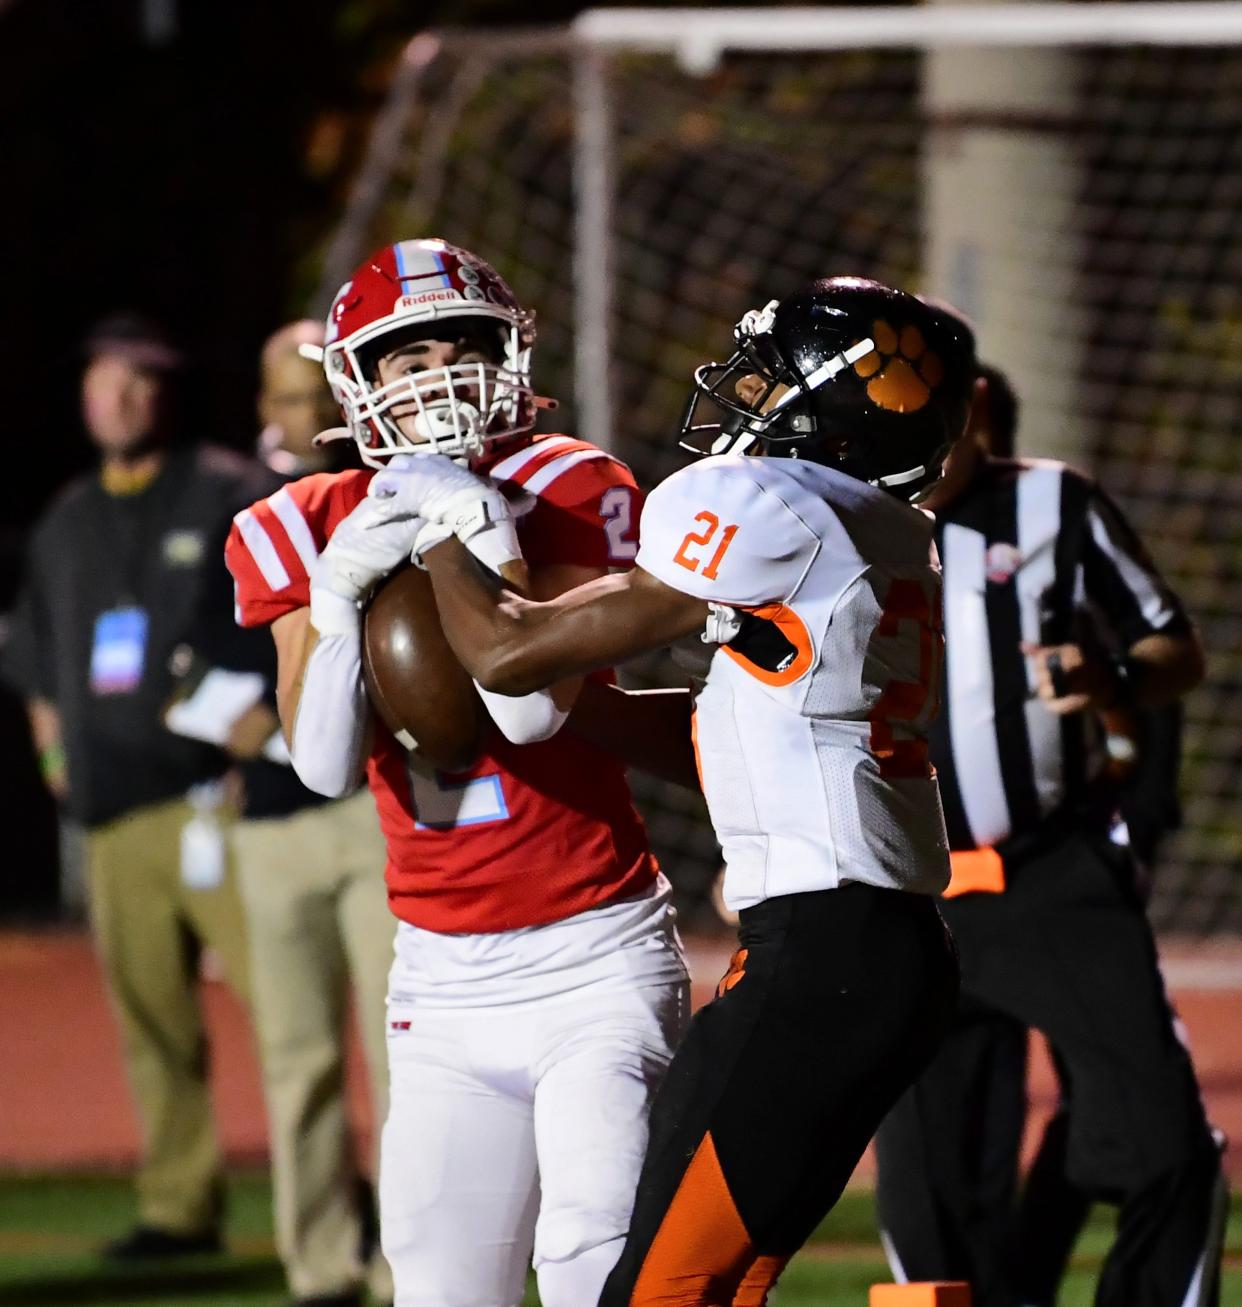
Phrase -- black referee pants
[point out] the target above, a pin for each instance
(1066, 949)
(834, 1002)
(1052, 1211)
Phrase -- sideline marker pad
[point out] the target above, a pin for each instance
(939, 1293)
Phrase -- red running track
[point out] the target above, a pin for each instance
(64, 1104)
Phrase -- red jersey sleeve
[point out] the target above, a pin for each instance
(586, 515)
(274, 543)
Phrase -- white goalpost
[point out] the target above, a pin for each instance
(973, 83)
(1068, 174)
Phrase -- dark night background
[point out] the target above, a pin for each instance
(186, 159)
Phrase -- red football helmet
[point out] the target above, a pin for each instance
(458, 410)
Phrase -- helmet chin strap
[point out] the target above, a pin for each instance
(838, 362)
(729, 442)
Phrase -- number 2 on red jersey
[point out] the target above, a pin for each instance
(616, 509)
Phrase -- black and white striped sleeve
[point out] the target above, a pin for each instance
(1120, 580)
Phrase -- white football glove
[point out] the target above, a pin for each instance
(451, 501)
(723, 624)
(364, 548)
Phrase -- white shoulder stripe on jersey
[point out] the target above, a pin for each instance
(968, 677)
(1137, 579)
(257, 540)
(511, 466)
(296, 527)
(556, 467)
(1039, 523)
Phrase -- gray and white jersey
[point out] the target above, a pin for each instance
(811, 727)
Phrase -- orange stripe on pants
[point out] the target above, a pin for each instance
(702, 1255)
(763, 1274)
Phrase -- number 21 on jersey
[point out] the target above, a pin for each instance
(700, 541)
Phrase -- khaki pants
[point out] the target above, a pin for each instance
(317, 912)
(150, 929)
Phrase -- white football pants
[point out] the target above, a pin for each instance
(517, 1128)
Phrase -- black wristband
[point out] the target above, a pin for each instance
(1056, 675)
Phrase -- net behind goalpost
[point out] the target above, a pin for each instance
(642, 180)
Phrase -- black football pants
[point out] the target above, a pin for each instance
(834, 1002)
(1067, 950)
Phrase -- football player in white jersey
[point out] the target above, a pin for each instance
(797, 549)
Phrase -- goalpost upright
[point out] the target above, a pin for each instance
(998, 171)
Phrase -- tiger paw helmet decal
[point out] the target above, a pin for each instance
(862, 377)
(903, 372)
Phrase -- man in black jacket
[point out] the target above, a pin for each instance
(114, 571)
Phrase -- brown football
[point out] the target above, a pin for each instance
(413, 677)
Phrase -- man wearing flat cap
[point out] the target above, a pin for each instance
(113, 572)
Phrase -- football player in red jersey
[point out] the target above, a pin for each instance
(538, 988)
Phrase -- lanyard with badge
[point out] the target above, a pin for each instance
(119, 650)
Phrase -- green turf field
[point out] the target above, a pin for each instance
(50, 1226)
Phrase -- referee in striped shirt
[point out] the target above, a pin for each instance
(1053, 613)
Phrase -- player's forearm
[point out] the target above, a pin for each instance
(510, 645)
(322, 700)
(328, 739)
(647, 729)
(294, 637)
(514, 646)
(529, 718)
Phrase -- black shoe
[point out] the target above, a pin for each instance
(149, 1241)
(347, 1298)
